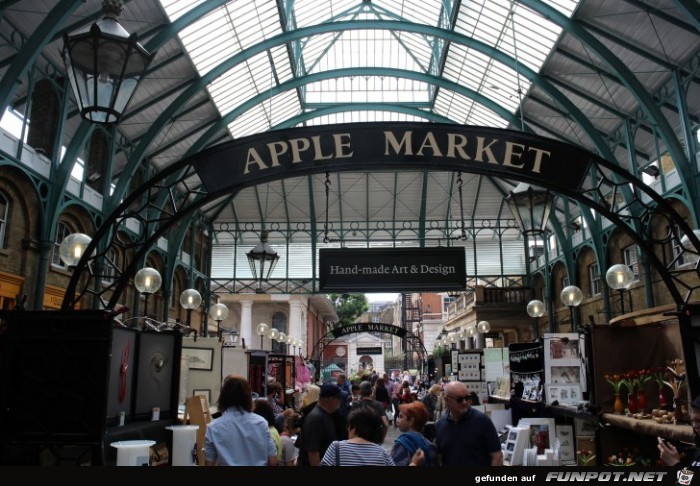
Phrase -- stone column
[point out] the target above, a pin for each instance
(295, 310)
(247, 323)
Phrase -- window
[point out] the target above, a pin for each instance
(279, 322)
(4, 214)
(680, 257)
(62, 230)
(594, 277)
(631, 258)
(109, 267)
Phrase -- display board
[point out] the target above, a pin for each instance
(565, 377)
(526, 370)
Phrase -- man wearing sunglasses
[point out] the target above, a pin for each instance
(465, 436)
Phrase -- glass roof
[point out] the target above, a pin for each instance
(356, 67)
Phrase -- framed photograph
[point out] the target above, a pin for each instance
(584, 427)
(569, 394)
(563, 362)
(542, 432)
(565, 434)
(199, 358)
(203, 391)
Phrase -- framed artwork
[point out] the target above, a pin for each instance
(565, 434)
(203, 391)
(570, 394)
(199, 358)
(563, 363)
(583, 427)
(542, 432)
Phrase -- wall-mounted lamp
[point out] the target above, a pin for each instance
(147, 281)
(218, 312)
(104, 65)
(572, 297)
(262, 260)
(619, 277)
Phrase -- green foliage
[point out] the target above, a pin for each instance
(394, 361)
(441, 352)
(349, 307)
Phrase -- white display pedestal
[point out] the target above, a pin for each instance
(133, 452)
(184, 443)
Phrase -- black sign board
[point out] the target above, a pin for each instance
(392, 269)
(368, 327)
(377, 350)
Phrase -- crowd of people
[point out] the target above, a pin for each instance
(346, 424)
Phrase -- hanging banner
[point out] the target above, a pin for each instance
(392, 269)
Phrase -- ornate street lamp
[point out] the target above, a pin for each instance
(535, 309)
(572, 297)
(262, 260)
(620, 277)
(190, 299)
(530, 206)
(73, 247)
(147, 281)
(262, 332)
(104, 65)
(218, 312)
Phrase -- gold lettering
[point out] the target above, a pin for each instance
(405, 142)
(254, 158)
(339, 145)
(298, 145)
(318, 151)
(431, 143)
(481, 149)
(511, 153)
(276, 149)
(456, 141)
(537, 167)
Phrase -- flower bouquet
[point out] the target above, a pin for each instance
(674, 377)
(616, 380)
(585, 457)
(630, 380)
(628, 458)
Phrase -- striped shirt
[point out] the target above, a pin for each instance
(353, 454)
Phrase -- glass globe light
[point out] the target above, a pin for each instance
(272, 333)
(483, 327)
(619, 277)
(262, 329)
(471, 330)
(571, 296)
(535, 308)
(282, 337)
(147, 280)
(462, 334)
(451, 337)
(190, 299)
(72, 248)
(218, 312)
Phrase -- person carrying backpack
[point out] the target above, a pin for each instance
(411, 419)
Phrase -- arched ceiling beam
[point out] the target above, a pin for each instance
(202, 82)
(692, 10)
(647, 104)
